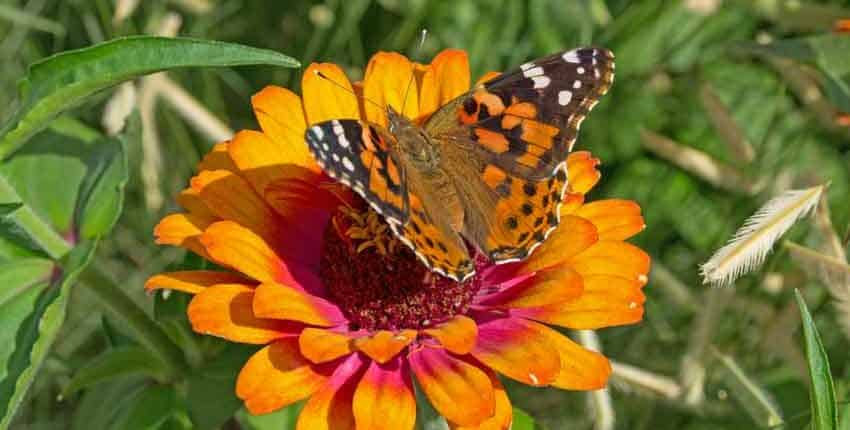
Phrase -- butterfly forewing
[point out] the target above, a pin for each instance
(527, 120)
(360, 155)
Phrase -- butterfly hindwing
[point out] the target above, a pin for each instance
(506, 216)
(360, 155)
(433, 241)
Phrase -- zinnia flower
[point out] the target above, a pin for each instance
(348, 315)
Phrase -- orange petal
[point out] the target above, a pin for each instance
(217, 159)
(546, 287)
(445, 79)
(615, 258)
(323, 98)
(456, 335)
(614, 219)
(581, 172)
(606, 301)
(572, 236)
(232, 245)
(226, 311)
(182, 230)
(330, 408)
(259, 159)
(458, 390)
(384, 345)
(321, 345)
(192, 281)
(285, 303)
(489, 76)
(581, 368)
(386, 82)
(231, 198)
(517, 349)
(191, 200)
(503, 417)
(384, 397)
(571, 203)
(298, 189)
(281, 116)
(277, 376)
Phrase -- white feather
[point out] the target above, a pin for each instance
(753, 241)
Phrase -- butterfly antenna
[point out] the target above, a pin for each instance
(346, 89)
(422, 37)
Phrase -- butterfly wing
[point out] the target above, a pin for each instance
(506, 143)
(431, 237)
(360, 155)
(527, 120)
(363, 157)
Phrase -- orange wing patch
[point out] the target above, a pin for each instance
(441, 251)
(525, 213)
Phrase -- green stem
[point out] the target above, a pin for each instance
(35, 228)
(144, 329)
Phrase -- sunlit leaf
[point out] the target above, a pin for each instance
(65, 80)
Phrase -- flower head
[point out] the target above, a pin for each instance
(347, 315)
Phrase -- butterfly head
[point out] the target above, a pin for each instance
(412, 141)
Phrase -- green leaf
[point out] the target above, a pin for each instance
(284, 419)
(102, 191)
(155, 405)
(119, 395)
(30, 322)
(7, 208)
(19, 275)
(211, 398)
(63, 81)
(824, 413)
(829, 51)
(116, 363)
(522, 421)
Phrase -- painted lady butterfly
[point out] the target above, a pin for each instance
(489, 165)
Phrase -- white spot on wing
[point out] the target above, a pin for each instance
(530, 73)
(564, 97)
(571, 57)
(317, 131)
(541, 81)
(347, 164)
(580, 70)
(577, 84)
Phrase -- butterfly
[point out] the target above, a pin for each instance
(488, 167)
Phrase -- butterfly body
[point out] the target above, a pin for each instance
(488, 168)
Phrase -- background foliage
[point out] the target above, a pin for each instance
(717, 106)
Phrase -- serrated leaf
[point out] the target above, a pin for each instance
(32, 320)
(63, 81)
(116, 363)
(102, 191)
(822, 393)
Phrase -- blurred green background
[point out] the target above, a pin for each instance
(701, 128)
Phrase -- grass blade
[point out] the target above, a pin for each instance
(824, 413)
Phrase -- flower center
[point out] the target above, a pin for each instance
(379, 283)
